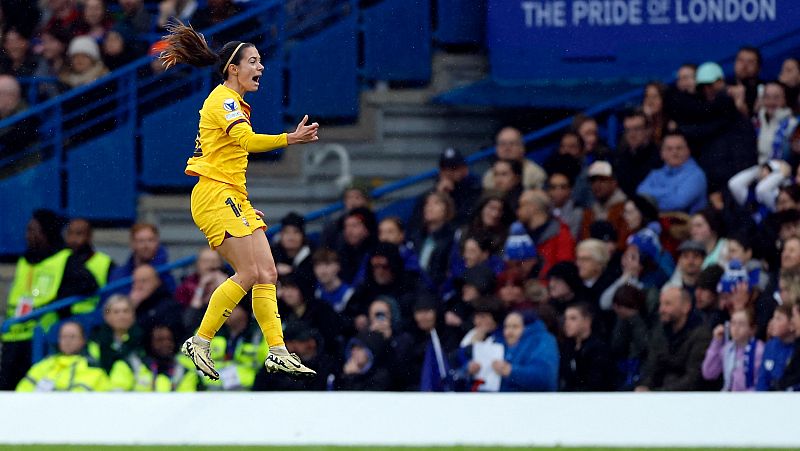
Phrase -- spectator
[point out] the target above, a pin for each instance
(95, 21)
(722, 138)
(707, 228)
(519, 252)
(706, 297)
(238, 352)
(559, 188)
(159, 369)
(365, 367)
(434, 344)
(85, 63)
(531, 356)
(435, 238)
(790, 78)
(476, 283)
(740, 247)
(604, 231)
(592, 260)
(52, 62)
(690, 261)
(492, 217)
(79, 240)
(757, 188)
(511, 292)
(564, 286)
(19, 136)
(593, 147)
(788, 198)
(629, 336)
(686, 80)
(391, 230)
(778, 349)
(354, 196)
(69, 370)
(119, 47)
(653, 108)
(24, 14)
(153, 301)
(330, 289)
(746, 71)
(477, 251)
(637, 154)
(639, 212)
(677, 346)
(315, 314)
(45, 273)
(358, 240)
(196, 286)
(680, 185)
(305, 343)
(738, 357)
(64, 17)
(217, 11)
(487, 317)
(385, 320)
(791, 374)
(585, 359)
(183, 10)
(146, 248)
(119, 336)
(292, 253)
(571, 153)
(608, 200)
(775, 123)
(655, 265)
(134, 14)
(455, 181)
(508, 181)
(782, 289)
(509, 145)
(553, 241)
(200, 297)
(17, 58)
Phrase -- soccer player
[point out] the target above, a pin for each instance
(219, 204)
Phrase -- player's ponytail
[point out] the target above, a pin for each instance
(185, 45)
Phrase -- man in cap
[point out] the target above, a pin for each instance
(455, 180)
(608, 201)
(690, 263)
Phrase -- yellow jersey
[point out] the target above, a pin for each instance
(225, 138)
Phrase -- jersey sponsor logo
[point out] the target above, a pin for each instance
(230, 105)
(233, 115)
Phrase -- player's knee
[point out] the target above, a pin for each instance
(268, 275)
(248, 277)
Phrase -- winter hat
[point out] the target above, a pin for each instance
(426, 301)
(647, 241)
(480, 277)
(568, 272)
(519, 245)
(295, 220)
(52, 225)
(734, 274)
(709, 277)
(85, 45)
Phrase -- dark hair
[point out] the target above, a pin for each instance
(675, 133)
(185, 45)
(792, 191)
(636, 112)
(629, 296)
(579, 120)
(782, 87)
(516, 166)
(396, 221)
(583, 308)
(324, 255)
(481, 238)
(692, 66)
(714, 220)
(742, 237)
(575, 134)
(751, 49)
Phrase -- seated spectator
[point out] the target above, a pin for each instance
(454, 180)
(629, 337)
(64, 17)
(197, 286)
(238, 351)
(69, 370)
(639, 212)
(708, 228)
(306, 344)
(358, 240)
(680, 185)
(477, 251)
(564, 286)
(365, 367)
(707, 299)
(519, 253)
(790, 78)
(182, 10)
(354, 196)
(152, 300)
(531, 356)
(791, 374)
(120, 47)
(134, 14)
(687, 271)
(585, 360)
(194, 310)
(511, 292)
(608, 201)
(559, 188)
(17, 58)
(492, 217)
(740, 247)
(385, 320)
(676, 347)
(757, 188)
(570, 152)
(656, 264)
(553, 241)
(509, 145)
(118, 336)
(653, 109)
(330, 288)
(95, 21)
(434, 343)
(46, 272)
(159, 369)
(605, 232)
(778, 349)
(592, 261)
(486, 320)
(391, 230)
(21, 135)
(315, 314)
(78, 238)
(637, 154)
(593, 147)
(783, 289)
(788, 198)
(508, 181)
(686, 78)
(775, 123)
(292, 253)
(738, 357)
(85, 64)
(52, 61)
(146, 249)
(476, 283)
(434, 240)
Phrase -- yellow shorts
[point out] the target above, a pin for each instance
(220, 211)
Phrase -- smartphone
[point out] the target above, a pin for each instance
(727, 330)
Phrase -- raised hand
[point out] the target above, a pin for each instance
(304, 133)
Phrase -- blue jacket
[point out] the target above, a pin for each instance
(682, 188)
(776, 356)
(534, 361)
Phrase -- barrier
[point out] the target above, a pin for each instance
(621, 419)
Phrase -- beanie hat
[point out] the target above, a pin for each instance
(568, 272)
(647, 241)
(85, 45)
(519, 245)
(734, 275)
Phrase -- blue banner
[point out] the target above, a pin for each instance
(543, 39)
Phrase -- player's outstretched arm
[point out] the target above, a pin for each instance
(304, 133)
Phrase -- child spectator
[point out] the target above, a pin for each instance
(738, 357)
(778, 349)
(330, 289)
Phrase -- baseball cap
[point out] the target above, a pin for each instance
(600, 169)
(709, 72)
(451, 158)
(693, 246)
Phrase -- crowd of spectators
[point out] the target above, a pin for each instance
(670, 263)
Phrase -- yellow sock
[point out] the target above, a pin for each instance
(265, 308)
(223, 301)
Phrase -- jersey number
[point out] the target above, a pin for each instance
(230, 202)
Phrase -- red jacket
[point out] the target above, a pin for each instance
(556, 244)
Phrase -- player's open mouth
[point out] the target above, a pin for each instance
(257, 78)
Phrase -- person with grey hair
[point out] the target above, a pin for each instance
(509, 145)
(553, 240)
(118, 336)
(592, 259)
(17, 137)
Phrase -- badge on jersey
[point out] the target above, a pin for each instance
(230, 104)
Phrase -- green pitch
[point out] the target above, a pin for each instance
(338, 448)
